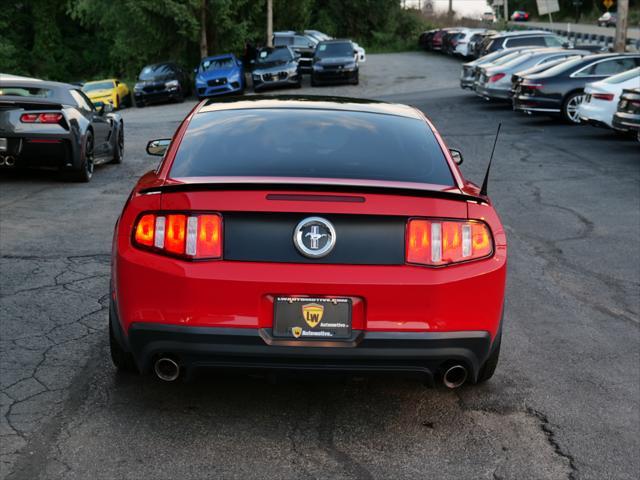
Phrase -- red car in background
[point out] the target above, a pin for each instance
(520, 16)
(307, 233)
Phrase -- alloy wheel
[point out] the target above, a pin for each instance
(572, 107)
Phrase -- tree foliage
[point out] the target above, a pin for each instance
(74, 40)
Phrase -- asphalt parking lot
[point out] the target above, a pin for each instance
(564, 402)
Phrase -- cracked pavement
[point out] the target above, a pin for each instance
(564, 403)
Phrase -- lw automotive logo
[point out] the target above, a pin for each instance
(312, 314)
(314, 237)
(296, 331)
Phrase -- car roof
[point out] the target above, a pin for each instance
(336, 40)
(310, 102)
(35, 83)
(99, 81)
(522, 33)
(216, 57)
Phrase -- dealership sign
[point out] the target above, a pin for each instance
(547, 6)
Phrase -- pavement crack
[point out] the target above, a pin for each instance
(547, 429)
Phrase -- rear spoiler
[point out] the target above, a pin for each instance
(11, 101)
(389, 190)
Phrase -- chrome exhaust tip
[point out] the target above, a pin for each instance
(166, 369)
(9, 161)
(455, 376)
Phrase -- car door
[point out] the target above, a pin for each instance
(100, 123)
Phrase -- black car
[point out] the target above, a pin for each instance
(517, 77)
(276, 67)
(477, 42)
(449, 41)
(55, 126)
(300, 43)
(335, 62)
(161, 82)
(424, 40)
(521, 39)
(627, 118)
(560, 89)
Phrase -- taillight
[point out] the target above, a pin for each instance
(496, 77)
(191, 236)
(531, 85)
(41, 117)
(443, 242)
(603, 96)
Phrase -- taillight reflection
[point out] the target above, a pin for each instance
(189, 236)
(443, 242)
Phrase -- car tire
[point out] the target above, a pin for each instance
(356, 80)
(85, 172)
(570, 107)
(118, 152)
(489, 367)
(121, 359)
(118, 104)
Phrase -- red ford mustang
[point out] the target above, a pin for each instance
(307, 233)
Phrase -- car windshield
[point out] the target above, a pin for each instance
(21, 91)
(311, 144)
(623, 77)
(153, 72)
(283, 40)
(216, 64)
(326, 50)
(275, 55)
(89, 87)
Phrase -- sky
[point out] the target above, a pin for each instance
(467, 8)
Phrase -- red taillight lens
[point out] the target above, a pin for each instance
(209, 235)
(145, 230)
(603, 96)
(41, 117)
(496, 77)
(175, 233)
(189, 236)
(436, 242)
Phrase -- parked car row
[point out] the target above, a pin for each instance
(573, 84)
(312, 52)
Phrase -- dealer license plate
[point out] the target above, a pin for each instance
(312, 318)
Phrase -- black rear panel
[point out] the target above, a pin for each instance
(360, 240)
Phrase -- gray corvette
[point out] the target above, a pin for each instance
(55, 126)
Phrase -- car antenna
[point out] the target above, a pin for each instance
(483, 190)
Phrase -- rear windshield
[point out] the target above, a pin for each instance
(311, 144)
(624, 76)
(37, 92)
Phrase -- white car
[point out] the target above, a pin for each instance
(601, 98)
(362, 55)
(462, 42)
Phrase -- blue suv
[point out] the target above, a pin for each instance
(219, 75)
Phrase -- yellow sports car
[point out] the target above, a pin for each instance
(111, 91)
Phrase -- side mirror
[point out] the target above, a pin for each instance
(355, 52)
(104, 108)
(456, 155)
(158, 147)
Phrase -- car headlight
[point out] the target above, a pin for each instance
(200, 81)
(137, 88)
(172, 84)
(350, 66)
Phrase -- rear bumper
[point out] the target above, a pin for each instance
(492, 93)
(626, 121)
(535, 104)
(156, 97)
(39, 150)
(255, 349)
